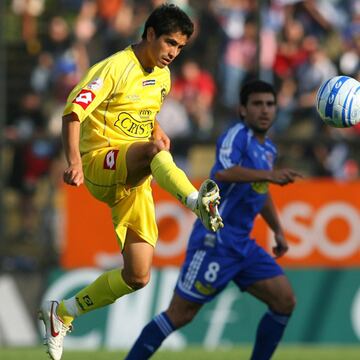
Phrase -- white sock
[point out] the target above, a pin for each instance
(72, 307)
(191, 200)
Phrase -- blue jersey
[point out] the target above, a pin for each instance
(213, 260)
(240, 202)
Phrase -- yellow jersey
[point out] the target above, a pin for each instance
(117, 101)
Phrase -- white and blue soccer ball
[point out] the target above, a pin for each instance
(338, 101)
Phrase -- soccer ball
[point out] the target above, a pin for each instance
(338, 101)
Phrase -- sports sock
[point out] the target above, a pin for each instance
(151, 337)
(268, 336)
(67, 311)
(103, 291)
(172, 179)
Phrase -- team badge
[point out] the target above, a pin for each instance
(162, 95)
(84, 98)
(110, 160)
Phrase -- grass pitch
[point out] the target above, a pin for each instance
(285, 352)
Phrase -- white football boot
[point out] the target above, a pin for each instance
(207, 205)
(55, 329)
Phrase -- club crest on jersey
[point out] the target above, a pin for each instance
(110, 160)
(162, 95)
(96, 84)
(148, 82)
(84, 98)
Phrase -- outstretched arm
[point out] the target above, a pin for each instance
(241, 174)
(73, 174)
(270, 215)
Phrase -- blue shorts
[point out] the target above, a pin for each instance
(208, 269)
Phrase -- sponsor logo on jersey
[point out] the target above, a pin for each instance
(145, 114)
(96, 84)
(110, 160)
(133, 127)
(206, 289)
(148, 82)
(261, 187)
(84, 98)
(133, 97)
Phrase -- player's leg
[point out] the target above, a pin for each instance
(113, 284)
(105, 290)
(278, 295)
(135, 226)
(179, 313)
(203, 275)
(145, 158)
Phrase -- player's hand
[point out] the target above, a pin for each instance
(159, 135)
(281, 246)
(284, 176)
(73, 175)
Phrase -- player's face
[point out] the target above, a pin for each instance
(165, 48)
(259, 112)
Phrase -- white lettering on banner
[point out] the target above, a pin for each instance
(167, 283)
(355, 314)
(314, 236)
(220, 316)
(346, 247)
(60, 289)
(16, 325)
(134, 310)
(184, 220)
(289, 216)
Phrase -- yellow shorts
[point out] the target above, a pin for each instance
(105, 175)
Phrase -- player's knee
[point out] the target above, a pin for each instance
(152, 149)
(287, 304)
(137, 282)
(180, 315)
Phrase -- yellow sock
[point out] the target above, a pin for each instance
(107, 288)
(170, 177)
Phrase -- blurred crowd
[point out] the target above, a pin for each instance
(295, 45)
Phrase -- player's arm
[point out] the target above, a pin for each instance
(158, 134)
(73, 174)
(270, 215)
(242, 174)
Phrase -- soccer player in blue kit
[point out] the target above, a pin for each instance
(243, 169)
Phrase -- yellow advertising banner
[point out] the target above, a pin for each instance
(321, 219)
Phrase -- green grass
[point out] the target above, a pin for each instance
(285, 352)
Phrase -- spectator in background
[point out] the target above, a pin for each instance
(195, 89)
(310, 75)
(238, 53)
(34, 152)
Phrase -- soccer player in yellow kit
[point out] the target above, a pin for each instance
(115, 146)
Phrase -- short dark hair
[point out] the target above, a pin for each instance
(167, 19)
(255, 86)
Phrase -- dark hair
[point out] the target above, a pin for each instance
(255, 86)
(167, 19)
